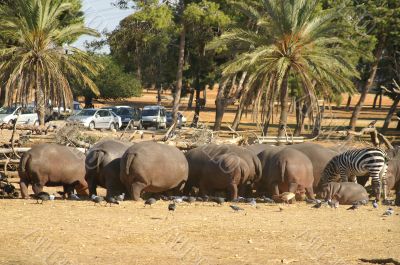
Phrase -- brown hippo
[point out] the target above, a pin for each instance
(393, 177)
(286, 170)
(152, 167)
(52, 165)
(319, 157)
(222, 167)
(102, 166)
(344, 192)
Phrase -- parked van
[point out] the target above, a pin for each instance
(154, 116)
(28, 115)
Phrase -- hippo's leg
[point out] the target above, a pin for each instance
(68, 190)
(82, 188)
(24, 184)
(233, 190)
(203, 189)
(136, 190)
(36, 187)
(293, 187)
(275, 192)
(310, 193)
(397, 201)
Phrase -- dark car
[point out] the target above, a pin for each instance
(128, 114)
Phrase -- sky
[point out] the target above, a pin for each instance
(100, 15)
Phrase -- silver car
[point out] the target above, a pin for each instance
(97, 119)
(27, 116)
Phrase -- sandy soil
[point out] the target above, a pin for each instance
(70, 232)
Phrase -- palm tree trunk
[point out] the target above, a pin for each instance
(390, 113)
(284, 105)
(179, 74)
(239, 110)
(368, 85)
(348, 103)
(39, 97)
(220, 105)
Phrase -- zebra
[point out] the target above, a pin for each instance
(359, 162)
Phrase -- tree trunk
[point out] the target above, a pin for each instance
(368, 85)
(196, 116)
(284, 106)
(297, 130)
(191, 96)
(40, 102)
(220, 105)
(179, 75)
(348, 103)
(390, 113)
(239, 111)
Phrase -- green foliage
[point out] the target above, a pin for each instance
(35, 61)
(114, 83)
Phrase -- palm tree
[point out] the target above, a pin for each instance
(292, 38)
(38, 60)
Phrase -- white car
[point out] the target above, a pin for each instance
(28, 115)
(97, 119)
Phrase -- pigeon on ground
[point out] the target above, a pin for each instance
(96, 199)
(206, 198)
(219, 200)
(120, 197)
(375, 204)
(253, 203)
(74, 197)
(388, 212)
(353, 207)
(236, 208)
(150, 202)
(310, 201)
(111, 200)
(172, 207)
(199, 199)
(317, 205)
(164, 198)
(178, 200)
(190, 199)
(267, 200)
(42, 196)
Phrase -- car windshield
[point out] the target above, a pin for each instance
(7, 110)
(150, 112)
(123, 111)
(86, 112)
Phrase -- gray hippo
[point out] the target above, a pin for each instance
(319, 157)
(221, 167)
(102, 166)
(285, 170)
(393, 177)
(152, 167)
(344, 192)
(52, 165)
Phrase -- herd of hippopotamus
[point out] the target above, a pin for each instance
(150, 167)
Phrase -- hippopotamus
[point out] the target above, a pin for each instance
(152, 167)
(102, 166)
(393, 177)
(344, 192)
(319, 157)
(258, 148)
(222, 167)
(286, 170)
(52, 165)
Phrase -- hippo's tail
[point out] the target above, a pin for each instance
(283, 170)
(100, 156)
(129, 159)
(24, 161)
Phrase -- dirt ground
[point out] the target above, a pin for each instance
(72, 232)
(79, 232)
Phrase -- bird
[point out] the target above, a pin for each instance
(172, 207)
(42, 196)
(287, 196)
(236, 208)
(164, 198)
(310, 201)
(219, 200)
(190, 199)
(317, 205)
(120, 197)
(253, 203)
(150, 202)
(96, 199)
(206, 198)
(372, 124)
(199, 199)
(388, 212)
(353, 207)
(375, 204)
(178, 200)
(248, 200)
(74, 197)
(267, 200)
(111, 200)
